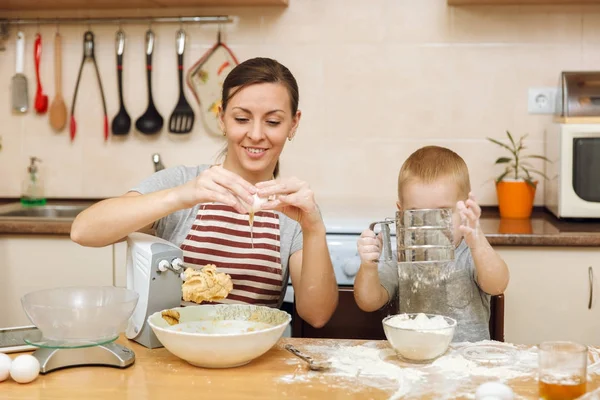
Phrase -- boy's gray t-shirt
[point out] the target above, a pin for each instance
(456, 294)
(175, 227)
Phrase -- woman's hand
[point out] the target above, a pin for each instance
(295, 199)
(216, 184)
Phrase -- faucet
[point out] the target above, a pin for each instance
(158, 165)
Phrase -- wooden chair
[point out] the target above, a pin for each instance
(497, 318)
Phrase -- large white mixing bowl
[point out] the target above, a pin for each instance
(222, 335)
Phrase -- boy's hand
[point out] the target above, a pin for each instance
(470, 213)
(369, 247)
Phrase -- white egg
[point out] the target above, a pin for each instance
(494, 391)
(5, 362)
(25, 368)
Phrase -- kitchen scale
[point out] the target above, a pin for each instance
(71, 316)
(57, 355)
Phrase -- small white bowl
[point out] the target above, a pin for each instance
(222, 335)
(421, 345)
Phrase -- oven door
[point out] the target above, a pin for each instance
(586, 168)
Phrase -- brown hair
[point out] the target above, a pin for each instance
(430, 163)
(260, 70)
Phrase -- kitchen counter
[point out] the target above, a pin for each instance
(40, 226)
(278, 374)
(542, 229)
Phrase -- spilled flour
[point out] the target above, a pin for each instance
(376, 365)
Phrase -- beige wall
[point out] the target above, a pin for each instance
(378, 79)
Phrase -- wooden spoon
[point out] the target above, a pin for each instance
(58, 109)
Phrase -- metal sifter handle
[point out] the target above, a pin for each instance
(386, 238)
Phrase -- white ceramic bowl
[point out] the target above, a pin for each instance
(421, 345)
(222, 335)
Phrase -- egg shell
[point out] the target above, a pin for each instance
(257, 204)
(25, 368)
(5, 362)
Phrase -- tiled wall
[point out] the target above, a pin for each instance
(378, 79)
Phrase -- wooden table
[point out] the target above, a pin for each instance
(156, 374)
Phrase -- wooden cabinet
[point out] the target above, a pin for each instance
(36, 5)
(33, 262)
(520, 2)
(549, 294)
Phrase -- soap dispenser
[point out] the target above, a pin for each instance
(33, 187)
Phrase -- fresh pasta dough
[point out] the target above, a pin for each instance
(171, 316)
(206, 284)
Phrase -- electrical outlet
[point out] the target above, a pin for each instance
(542, 100)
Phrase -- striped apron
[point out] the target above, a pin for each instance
(221, 236)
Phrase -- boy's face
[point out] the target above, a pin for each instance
(442, 193)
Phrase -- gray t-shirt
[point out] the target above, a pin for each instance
(175, 227)
(448, 289)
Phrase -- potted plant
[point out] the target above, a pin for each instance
(515, 187)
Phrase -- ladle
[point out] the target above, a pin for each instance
(121, 123)
(151, 121)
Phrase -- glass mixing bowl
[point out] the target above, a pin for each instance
(80, 316)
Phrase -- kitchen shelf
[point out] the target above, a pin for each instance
(519, 2)
(37, 5)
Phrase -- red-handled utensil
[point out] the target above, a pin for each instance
(41, 100)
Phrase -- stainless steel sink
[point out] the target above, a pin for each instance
(52, 212)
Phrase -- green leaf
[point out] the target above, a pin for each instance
(501, 144)
(535, 171)
(526, 172)
(511, 139)
(499, 179)
(538, 157)
(530, 183)
(503, 160)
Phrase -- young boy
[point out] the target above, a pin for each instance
(436, 177)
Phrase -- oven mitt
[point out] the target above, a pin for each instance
(206, 78)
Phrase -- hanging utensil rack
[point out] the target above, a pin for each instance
(5, 23)
(207, 19)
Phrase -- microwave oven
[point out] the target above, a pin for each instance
(573, 186)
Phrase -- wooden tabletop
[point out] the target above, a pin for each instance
(156, 374)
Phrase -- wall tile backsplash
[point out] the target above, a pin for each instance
(378, 79)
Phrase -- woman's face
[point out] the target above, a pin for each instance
(257, 122)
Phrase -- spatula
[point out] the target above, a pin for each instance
(58, 109)
(182, 118)
(20, 100)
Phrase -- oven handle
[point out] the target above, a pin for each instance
(591, 278)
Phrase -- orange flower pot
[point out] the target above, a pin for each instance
(515, 199)
(521, 226)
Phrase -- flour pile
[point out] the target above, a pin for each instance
(420, 322)
(370, 364)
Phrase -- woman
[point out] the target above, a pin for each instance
(204, 209)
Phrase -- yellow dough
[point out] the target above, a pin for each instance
(206, 284)
(171, 316)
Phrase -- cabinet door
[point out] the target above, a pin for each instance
(32, 262)
(549, 294)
